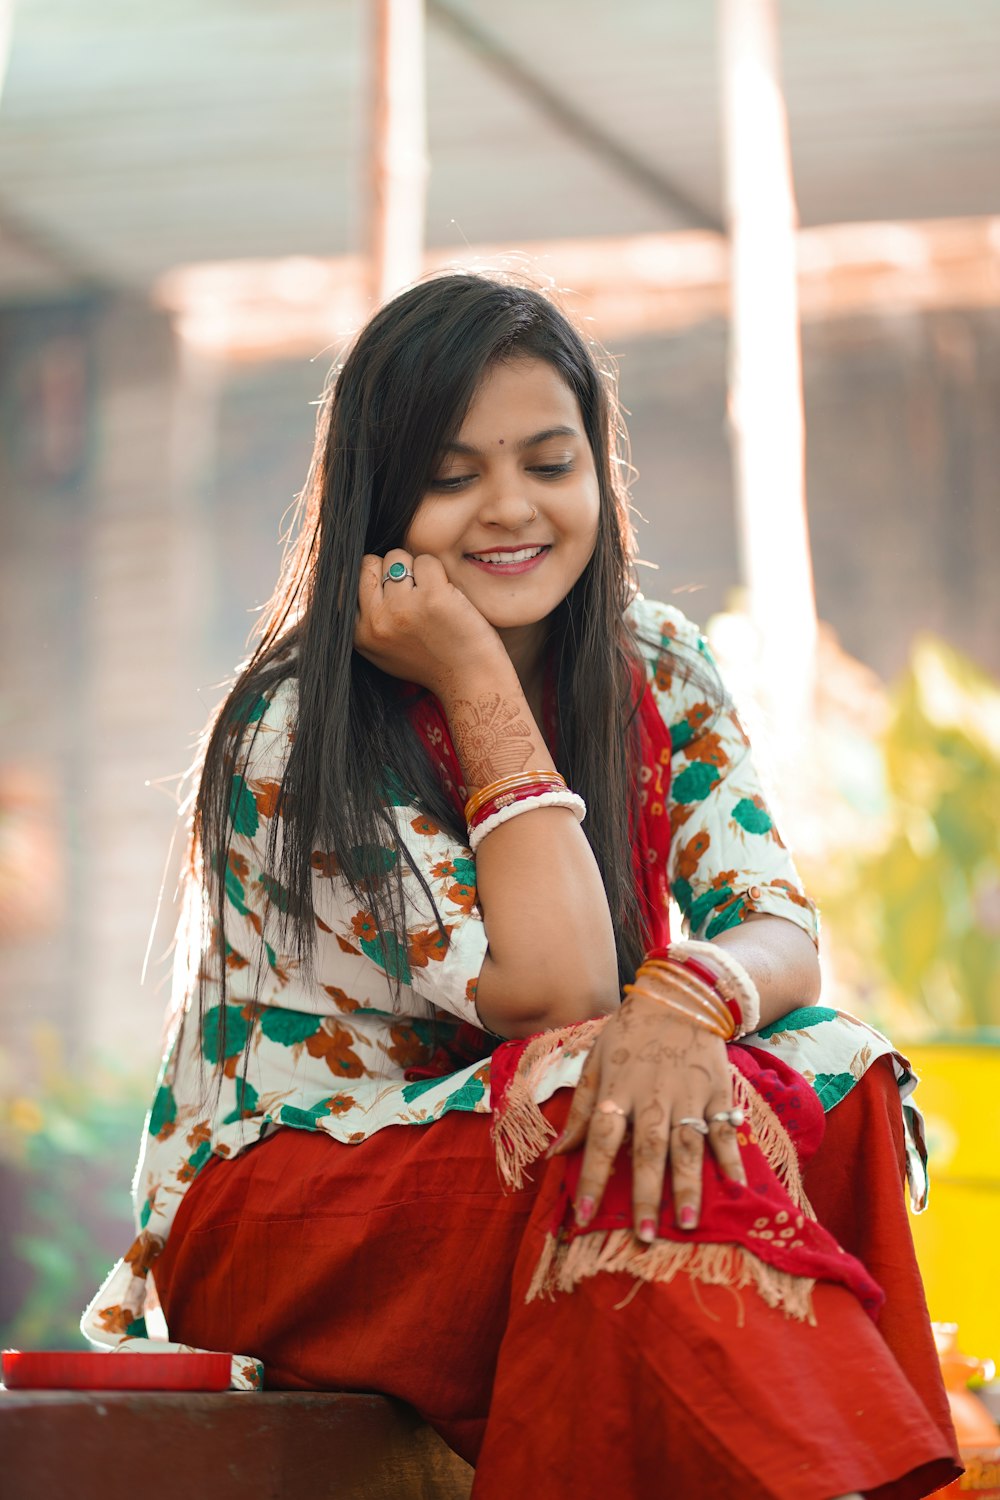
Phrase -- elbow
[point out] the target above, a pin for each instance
(518, 1006)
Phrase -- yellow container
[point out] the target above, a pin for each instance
(958, 1237)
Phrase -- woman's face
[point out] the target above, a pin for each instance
(513, 503)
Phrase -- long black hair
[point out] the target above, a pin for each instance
(398, 400)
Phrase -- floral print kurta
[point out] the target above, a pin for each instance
(331, 1053)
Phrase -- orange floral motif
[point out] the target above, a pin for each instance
(238, 865)
(201, 1132)
(663, 674)
(425, 826)
(470, 990)
(690, 855)
(406, 1049)
(793, 895)
(335, 1045)
(115, 1319)
(340, 998)
(427, 944)
(682, 812)
(265, 794)
(444, 869)
(235, 960)
(143, 1252)
(325, 863)
(724, 877)
(339, 1104)
(345, 946)
(697, 715)
(462, 895)
(363, 926)
(708, 747)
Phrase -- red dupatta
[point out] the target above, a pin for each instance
(763, 1235)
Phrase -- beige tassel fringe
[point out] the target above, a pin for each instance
(563, 1264)
(521, 1133)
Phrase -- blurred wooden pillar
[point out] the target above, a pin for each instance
(398, 147)
(765, 374)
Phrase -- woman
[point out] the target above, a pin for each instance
(397, 918)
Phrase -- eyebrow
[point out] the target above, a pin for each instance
(528, 442)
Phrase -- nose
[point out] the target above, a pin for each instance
(506, 506)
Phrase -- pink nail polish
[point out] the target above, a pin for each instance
(647, 1231)
(584, 1212)
(687, 1218)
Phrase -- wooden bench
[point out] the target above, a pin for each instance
(95, 1445)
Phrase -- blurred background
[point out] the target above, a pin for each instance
(781, 220)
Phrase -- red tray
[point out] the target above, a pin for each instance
(80, 1370)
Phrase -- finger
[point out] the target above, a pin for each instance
(369, 579)
(649, 1161)
(604, 1138)
(687, 1153)
(428, 570)
(394, 556)
(722, 1137)
(580, 1111)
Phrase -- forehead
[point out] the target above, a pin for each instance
(517, 397)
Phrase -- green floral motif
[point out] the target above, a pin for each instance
(304, 1119)
(235, 891)
(277, 894)
(288, 1027)
(250, 710)
(372, 860)
(164, 1111)
(831, 1087)
(680, 735)
(243, 809)
(136, 1329)
(237, 1030)
(751, 817)
(411, 1091)
(145, 1213)
(798, 1020)
(386, 950)
(467, 1097)
(394, 793)
(465, 871)
(199, 1158)
(247, 1102)
(695, 782)
(697, 912)
(731, 916)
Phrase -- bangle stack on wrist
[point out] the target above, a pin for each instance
(707, 985)
(507, 798)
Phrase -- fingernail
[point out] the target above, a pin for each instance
(584, 1212)
(555, 1146)
(687, 1218)
(647, 1231)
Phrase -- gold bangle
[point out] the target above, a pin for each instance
(721, 1024)
(509, 784)
(692, 985)
(694, 1017)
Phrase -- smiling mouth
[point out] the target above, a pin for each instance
(509, 559)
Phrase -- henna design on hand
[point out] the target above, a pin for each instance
(492, 740)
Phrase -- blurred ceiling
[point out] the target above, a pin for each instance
(136, 137)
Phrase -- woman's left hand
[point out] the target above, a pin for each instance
(654, 1068)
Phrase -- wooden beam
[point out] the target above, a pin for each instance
(398, 147)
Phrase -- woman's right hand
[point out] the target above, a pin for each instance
(421, 629)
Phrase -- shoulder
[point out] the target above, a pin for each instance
(263, 727)
(678, 659)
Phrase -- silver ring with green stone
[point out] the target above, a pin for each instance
(396, 573)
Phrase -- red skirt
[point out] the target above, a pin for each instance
(399, 1265)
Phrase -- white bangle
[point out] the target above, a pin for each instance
(731, 978)
(576, 805)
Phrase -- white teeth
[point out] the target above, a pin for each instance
(508, 557)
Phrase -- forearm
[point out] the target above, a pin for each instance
(551, 958)
(780, 959)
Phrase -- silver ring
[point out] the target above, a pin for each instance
(396, 573)
(695, 1124)
(733, 1117)
(609, 1107)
